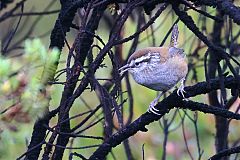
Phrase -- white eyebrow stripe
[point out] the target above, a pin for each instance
(146, 57)
(143, 58)
(155, 55)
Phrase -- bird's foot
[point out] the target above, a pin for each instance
(151, 108)
(181, 91)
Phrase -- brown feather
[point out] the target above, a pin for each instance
(162, 50)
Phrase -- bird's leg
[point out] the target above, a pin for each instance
(181, 91)
(152, 105)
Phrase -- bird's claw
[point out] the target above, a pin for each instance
(152, 108)
(181, 91)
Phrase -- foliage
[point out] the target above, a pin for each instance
(100, 113)
(24, 83)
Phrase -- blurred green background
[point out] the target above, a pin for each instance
(14, 142)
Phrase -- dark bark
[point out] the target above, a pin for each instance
(164, 107)
(221, 139)
(81, 49)
(83, 44)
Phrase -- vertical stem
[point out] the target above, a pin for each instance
(165, 130)
(221, 125)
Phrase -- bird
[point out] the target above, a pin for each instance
(159, 68)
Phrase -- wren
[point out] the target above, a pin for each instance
(159, 68)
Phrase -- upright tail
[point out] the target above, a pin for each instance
(174, 38)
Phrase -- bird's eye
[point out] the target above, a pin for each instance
(137, 64)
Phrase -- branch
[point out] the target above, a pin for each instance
(38, 135)
(150, 22)
(64, 22)
(35, 13)
(217, 19)
(226, 152)
(188, 21)
(226, 6)
(164, 107)
(83, 45)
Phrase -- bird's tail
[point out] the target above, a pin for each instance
(174, 38)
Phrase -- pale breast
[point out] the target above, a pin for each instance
(161, 76)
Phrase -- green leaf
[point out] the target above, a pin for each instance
(5, 67)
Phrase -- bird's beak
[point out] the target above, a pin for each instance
(123, 69)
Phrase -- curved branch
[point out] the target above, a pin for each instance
(188, 21)
(226, 152)
(227, 7)
(164, 107)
